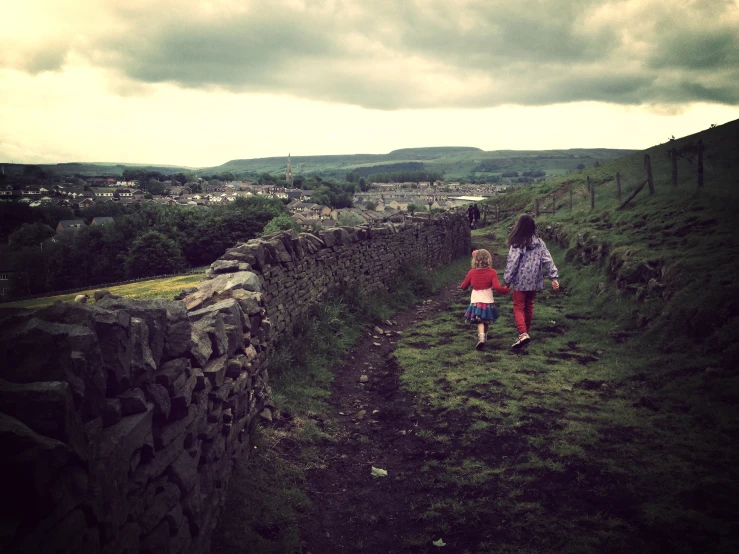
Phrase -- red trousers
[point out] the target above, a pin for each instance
(523, 309)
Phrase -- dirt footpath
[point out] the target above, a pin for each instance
(378, 424)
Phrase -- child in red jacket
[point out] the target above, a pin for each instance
(483, 279)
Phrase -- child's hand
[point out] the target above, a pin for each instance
(555, 284)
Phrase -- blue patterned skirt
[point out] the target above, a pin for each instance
(481, 313)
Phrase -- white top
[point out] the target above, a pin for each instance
(484, 295)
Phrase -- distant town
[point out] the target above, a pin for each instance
(382, 201)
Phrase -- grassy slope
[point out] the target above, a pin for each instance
(579, 444)
(156, 288)
(614, 430)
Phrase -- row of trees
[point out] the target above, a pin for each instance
(151, 240)
(404, 177)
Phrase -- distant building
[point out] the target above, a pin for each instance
(69, 225)
(101, 220)
(6, 271)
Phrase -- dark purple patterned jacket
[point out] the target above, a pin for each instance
(523, 270)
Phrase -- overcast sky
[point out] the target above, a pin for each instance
(200, 83)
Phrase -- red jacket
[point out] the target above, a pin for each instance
(482, 279)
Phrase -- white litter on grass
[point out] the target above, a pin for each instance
(377, 472)
(440, 542)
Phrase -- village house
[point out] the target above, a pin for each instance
(69, 225)
(101, 220)
(30, 191)
(124, 193)
(6, 271)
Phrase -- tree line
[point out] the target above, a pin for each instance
(148, 240)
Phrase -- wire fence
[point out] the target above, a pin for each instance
(563, 198)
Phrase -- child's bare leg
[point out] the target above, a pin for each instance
(486, 329)
(481, 328)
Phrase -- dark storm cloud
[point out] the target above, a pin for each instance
(391, 54)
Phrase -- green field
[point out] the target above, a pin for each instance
(156, 288)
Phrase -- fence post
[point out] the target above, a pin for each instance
(673, 157)
(553, 206)
(700, 164)
(618, 186)
(591, 188)
(570, 197)
(650, 179)
(536, 207)
(497, 213)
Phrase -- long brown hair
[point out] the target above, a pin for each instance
(523, 232)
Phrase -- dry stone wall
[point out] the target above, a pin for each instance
(121, 421)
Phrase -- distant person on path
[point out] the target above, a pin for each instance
(483, 279)
(471, 216)
(526, 256)
(475, 215)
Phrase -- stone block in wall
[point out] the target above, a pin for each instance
(229, 266)
(158, 395)
(143, 365)
(223, 391)
(42, 475)
(166, 321)
(202, 344)
(48, 409)
(173, 375)
(126, 541)
(109, 478)
(192, 505)
(250, 252)
(150, 312)
(215, 371)
(250, 302)
(184, 472)
(157, 506)
(275, 251)
(158, 464)
(71, 535)
(177, 337)
(166, 433)
(113, 413)
(207, 289)
(36, 350)
(234, 367)
(133, 402)
(213, 324)
(183, 398)
(156, 541)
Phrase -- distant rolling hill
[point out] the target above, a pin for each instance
(453, 162)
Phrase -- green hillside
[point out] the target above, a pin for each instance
(454, 162)
(92, 169)
(675, 250)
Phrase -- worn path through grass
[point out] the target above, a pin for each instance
(585, 441)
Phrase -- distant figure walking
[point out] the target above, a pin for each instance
(471, 216)
(475, 215)
(526, 256)
(483, 279)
